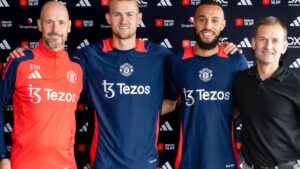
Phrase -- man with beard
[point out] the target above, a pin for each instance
(45, 86)
(203, 75)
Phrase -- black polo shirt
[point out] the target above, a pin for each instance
(270, 111)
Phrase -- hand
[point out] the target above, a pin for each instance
(231, 48)
(5, 164)
(18, 52)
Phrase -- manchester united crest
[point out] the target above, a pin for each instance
(71, 76)
(126, 69)
(205, 74)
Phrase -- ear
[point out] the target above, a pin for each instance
(107, 17)
(39, 25)
(253, 43)
(70, 24)
(285, 46)
(140, 16)
(223, 24)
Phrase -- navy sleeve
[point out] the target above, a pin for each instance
(84, 94)
(7, 87)
(243, 64)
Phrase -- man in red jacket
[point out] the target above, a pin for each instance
(45, 86)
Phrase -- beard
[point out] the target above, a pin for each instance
(206, 45)
(54, 44)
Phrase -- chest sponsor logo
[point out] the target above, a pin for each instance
(126, 69)
(205, 74)
(71, 76)
(110, 89)
(191, 96)
(36, 93)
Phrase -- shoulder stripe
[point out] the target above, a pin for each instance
(108, 46)
(221, 52)
(28, 55)
(188, 53)
(140, 46)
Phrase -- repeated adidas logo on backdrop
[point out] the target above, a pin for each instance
(3, 3)
(166, 127)
(84, 128)
(295, 64)
(7, 128)
(165, 3)
(84, 3)
(296, 22)
(141, 24)
(166, 166)
(83, 44)
(166, 43)
(244, 3)
(245, 43)
(4, 45)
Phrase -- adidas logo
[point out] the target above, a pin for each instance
(83, 3)
(4, 45)
(35, 75)
(166, 127)
(165, 3)
(7, 128)
(295, 64)
(83, 44)
(244, 44)
(141, 24)
(86, 166)
(166, 166)
(84, 127)
(3, 3)
(166, 43)
(244, 3)
(296, 22)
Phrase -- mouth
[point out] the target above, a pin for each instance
(123, 27)
(268, 53)
(207, 34)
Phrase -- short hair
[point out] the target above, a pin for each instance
(270, 20)
(210, 2)
(111, 1)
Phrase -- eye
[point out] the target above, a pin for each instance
(261, 39)
(48, 22)
(62, 22)
(275, 41)
(215, 21)
(116, 14)
(129, 14)
(201, 20)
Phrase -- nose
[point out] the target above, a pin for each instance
(268, 44)
(55, 27)
(123, 19)
(207, 24)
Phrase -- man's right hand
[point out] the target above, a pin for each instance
(5, 164)
(18, 52)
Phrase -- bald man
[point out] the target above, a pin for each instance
(45, 86)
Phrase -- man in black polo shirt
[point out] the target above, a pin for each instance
(268, 98)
